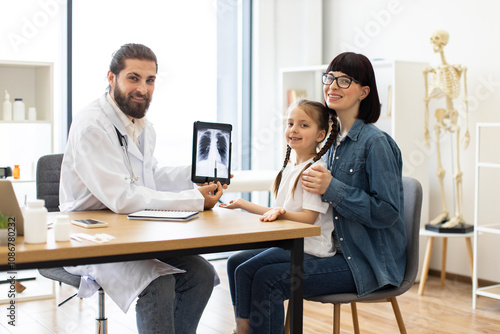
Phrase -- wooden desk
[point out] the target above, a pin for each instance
(218, 230)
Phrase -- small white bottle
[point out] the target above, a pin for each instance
(19, 112)
(7, 108)
(35, 222)
(32, 114)
(62, 228)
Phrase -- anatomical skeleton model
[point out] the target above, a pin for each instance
(444, 82)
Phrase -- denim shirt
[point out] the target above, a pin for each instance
(366, 193)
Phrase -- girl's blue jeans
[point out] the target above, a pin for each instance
(259, 281)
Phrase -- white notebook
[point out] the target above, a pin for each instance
(164, 215)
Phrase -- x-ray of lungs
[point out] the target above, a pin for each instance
(211, 152)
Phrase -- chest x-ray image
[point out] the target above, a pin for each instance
(211, 152)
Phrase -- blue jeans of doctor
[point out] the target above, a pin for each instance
(174, 303)
(259, 281)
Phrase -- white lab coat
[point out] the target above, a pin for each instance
(95, 175)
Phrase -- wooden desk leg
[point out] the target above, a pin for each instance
(425, 269)
(296, 303)
(471, 259)
(443, 261)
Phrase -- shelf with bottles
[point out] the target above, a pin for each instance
(25, 122)
(399, 83)
(14, 175)
(21, 180)
(24, 144)
(305, 82)
(33, 83)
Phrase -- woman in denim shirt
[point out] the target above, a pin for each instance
(364, 184)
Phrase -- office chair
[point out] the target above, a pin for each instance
(412, 210)
(48, 173)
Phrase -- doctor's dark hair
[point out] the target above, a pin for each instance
(319, 113)
(131, 51)
(359, 67)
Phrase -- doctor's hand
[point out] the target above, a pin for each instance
(224, 186)
(316, 179)
(208, 193)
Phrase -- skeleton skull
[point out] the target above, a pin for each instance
(439, 39)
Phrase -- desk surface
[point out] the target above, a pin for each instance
(214, 230)
(217, 227)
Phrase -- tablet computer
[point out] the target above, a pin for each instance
(211, 152)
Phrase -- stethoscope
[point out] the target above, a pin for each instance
(124, 145)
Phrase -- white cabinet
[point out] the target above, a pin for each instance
(486, 183)
(401, 89)
(23, 142)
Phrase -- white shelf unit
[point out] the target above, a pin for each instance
(484, 132)
(401, 89)
(23, 142)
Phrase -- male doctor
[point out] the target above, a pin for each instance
(109, 163)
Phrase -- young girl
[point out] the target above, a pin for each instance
(255, 275)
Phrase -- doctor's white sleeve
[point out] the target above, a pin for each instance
(98, 170)
(176, 178)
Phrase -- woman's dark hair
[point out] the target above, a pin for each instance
(131, 51)
(360, 68)
(319, 113)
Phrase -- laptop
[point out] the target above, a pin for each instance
(9, 205)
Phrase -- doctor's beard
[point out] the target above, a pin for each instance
(132, 109)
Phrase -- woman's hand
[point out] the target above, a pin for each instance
(272, 214)
(316, 179)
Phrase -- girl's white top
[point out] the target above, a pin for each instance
(321, 246)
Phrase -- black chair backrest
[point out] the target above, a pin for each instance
(48, 174)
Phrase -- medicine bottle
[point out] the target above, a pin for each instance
(32, 114)
(62, 228)
(7, 108)
(19, 113)
(35, 222)
(16, 173)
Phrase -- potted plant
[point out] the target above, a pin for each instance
(4, 224)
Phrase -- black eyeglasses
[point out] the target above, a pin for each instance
(342, 81)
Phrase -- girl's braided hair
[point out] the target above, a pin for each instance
(320, 114)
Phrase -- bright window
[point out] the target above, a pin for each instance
(183, 35)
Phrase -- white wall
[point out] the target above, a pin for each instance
(283, 36)
(401, 30)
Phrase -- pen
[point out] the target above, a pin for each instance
(215, 177)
